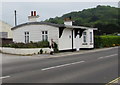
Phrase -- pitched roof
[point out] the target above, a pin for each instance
(52, 24)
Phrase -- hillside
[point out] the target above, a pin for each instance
(105, 18)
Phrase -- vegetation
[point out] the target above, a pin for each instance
(105, 18)
(55, 48)
(41, 44)
(107, 41)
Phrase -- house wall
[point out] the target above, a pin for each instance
(65, 41)
(4, 27)
(35, 33)
(88, 43)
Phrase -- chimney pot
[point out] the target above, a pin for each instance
(31, 13)
(34, 13)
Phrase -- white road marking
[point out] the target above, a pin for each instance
(107, 56)
(62, 65)
(4, 77)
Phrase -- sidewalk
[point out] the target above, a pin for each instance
(71, 53)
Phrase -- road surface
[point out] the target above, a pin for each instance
(95, 67)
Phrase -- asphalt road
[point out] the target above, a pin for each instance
(94, 67)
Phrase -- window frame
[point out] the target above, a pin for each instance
(44, 35)
(26, 33)
(84, 37)
(91, 37)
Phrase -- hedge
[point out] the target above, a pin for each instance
(41, 44)
(107, 41)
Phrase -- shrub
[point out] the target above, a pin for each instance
(55, 48)
(41, 44)
(106, 41)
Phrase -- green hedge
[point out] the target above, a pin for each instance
(107, 41)
(41, 44)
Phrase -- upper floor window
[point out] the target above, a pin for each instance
(45, 35)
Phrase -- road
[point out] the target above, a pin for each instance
(95, 67)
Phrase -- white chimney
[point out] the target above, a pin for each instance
(33, 17)
(68, 21)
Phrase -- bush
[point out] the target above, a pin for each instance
(55, 48)
(41, 44)
(106, 41)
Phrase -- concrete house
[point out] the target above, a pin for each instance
(5, 33)
(67, 36)
(5, 30)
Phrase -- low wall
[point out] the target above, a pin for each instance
(23, 51)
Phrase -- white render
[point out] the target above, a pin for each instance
(64, 42)
(35, 33)
(23, 51)
(4, 27)
(68, 22)
(33, 18)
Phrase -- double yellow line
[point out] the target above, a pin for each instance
(113, 81)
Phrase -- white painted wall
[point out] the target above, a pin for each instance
(77, 42)
(23, 51)
(4, 27)
(89, 45)
(68, 23)
(65, 42)
(35, 33)
(33, 18)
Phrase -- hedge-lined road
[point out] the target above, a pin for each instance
(94, 67)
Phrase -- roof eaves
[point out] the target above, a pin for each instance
(38, 23)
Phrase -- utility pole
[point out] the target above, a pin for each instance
(15, 18)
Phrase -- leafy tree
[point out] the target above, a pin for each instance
(105, 18)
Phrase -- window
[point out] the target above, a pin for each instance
(26, 37)
(90, 36)
(3, 34)
(45, 35)
(84, 37)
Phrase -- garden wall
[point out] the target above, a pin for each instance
(23, 51)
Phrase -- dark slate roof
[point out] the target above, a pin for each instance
(38, 23)
(52, 24)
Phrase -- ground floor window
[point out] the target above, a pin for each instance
(26, 37)
(45, 35)
(3, 34)
(91, 36)
(84, 37)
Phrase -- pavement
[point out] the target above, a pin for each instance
(93, 66)
(62, 54)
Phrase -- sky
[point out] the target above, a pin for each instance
(45, 10)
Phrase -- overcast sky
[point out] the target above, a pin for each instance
(46, 10)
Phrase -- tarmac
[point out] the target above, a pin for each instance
(62, 54)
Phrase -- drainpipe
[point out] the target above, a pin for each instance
(15, 18)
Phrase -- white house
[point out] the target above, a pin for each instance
(5, 30)
(67, 36)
